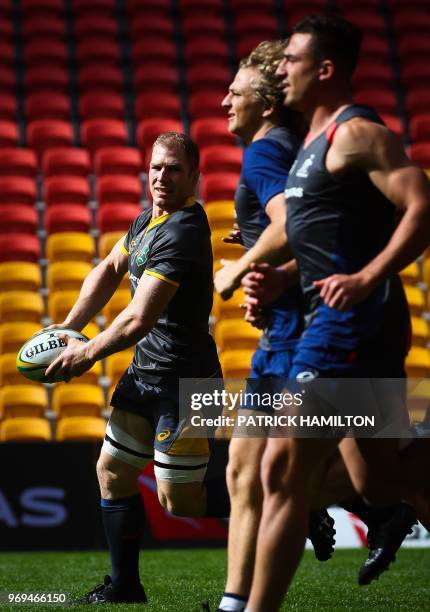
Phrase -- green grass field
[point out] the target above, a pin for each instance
(178, 580)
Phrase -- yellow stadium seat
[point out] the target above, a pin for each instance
(108, 241)
(23, 400)
(224, 250)
(411, 274)
(117, 364)
(220, 215)
(229, 309)
(79, 428)
(418, 362)
(77, 400)
(9, 375)
(236, 364)
(13, 335)
(20, 276)
(90, 377)
(60, 303)
(21, 306)
(91, 330)
(70, 246)
(232, 334)
(420, 331)
(418, 399)
(415, 298)
(67, 275)
(25, 429)
(117, 303)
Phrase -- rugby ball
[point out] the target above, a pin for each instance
(40, 351)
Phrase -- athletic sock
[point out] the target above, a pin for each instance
(217, 498)
(233, 603)
(123, 521)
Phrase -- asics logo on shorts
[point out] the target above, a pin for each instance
(163, 435)
(306, 375)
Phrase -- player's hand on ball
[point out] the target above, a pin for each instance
(73, 361)
(342, 291)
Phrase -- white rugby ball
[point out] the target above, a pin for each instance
(40, 351)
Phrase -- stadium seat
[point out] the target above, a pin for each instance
(44, 77)
(375, 48)
(7, 80)
(67, 218)
(417, 100)
(224, 250)
(60, 303)
(117, 303)
(220, 215)
(13, 335)
(70, 246)
(418, 362)
(18, 219)
(118, 188)
(228, 309)
(149, 7)
(25, 429)
(393, 122)
(221, 158)
(154, 50)
(206, 50)
(157, 105)
(65, 189)
(7, 53)
(21, 306)
(6, 28)
(206, 76)
(77, 400)
(97, 133)
(101, 105)
(8, 107)
(411, 274)
(382, 100)
(419, 127)
(206, 7)
(117, 160)
(415, 299)
(18, 161)
(103, 27)
(45, 134)
(108, 241)
(106, 8)
(100, 77)
(218, 185)
(419, 152)
(97, 50)
(211, 131)
(203, 104)
(42, 7)
(236, 363)
(91, 376)
(236, 334)
(370, 75)
(117, 364)
(23, 401)
(8, 134)
(117, 217)
(17, 190)
(67, 275)
(44, 51)
(416, 76)
(212, 26)
(243, 6)
(67, 161)
(51, 28)
(261, 24)
(9, 375)
(148, 131)
(163, 78)
(81, 428)
(19, 247)
(413, 48)
(420, 331)
(151, 25)
(91, 330)
(20, 276)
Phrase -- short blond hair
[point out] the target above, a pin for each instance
(265, 59)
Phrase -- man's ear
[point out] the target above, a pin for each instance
(326, 70)
(269, 109)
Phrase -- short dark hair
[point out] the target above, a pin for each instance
(182, 141)
(334, 38)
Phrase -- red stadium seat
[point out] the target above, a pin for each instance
(100, 77)
(48, 105)
(117, 160)
(44, 51)
(151, 25)
(19, 247)
(19, 161)
(17, 190)
(66, 190)
(97, 133)
(417, 100)
(150, 7)
(208, 77)
(203, 25)
(46, 134)
(95, 25)
(7, 54)
(8, 107)
(43, 26)
(374, 48)
(7, 80)
(221, 158)
(382, 100)
(148, 78)
(413, 48)
(368, 21)
(42, 7)
(393, 122)
(206, 50)
(18, 219)
(419, 127)
(412, 20)
(153, 49)
(206, 7)
(218, 186)
(416, 75)
(8, 134)
(101, 105)
(6, 29)
(67, 218)
(148, 130)
(211, 131)
(420, 153)
(246, 43)
(242, 6)
(68, 161)
(260, 24)
(45, 77)
(98, 50)
(372, 74)
(100, 7)
(157, 105)
(207, 104)
(117, 217)
(118, 188)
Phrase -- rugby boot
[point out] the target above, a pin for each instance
(110, 593)
(321, 533)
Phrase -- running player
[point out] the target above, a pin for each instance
(346, 183)
(167, 252)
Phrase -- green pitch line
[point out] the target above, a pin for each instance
(179, 580)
